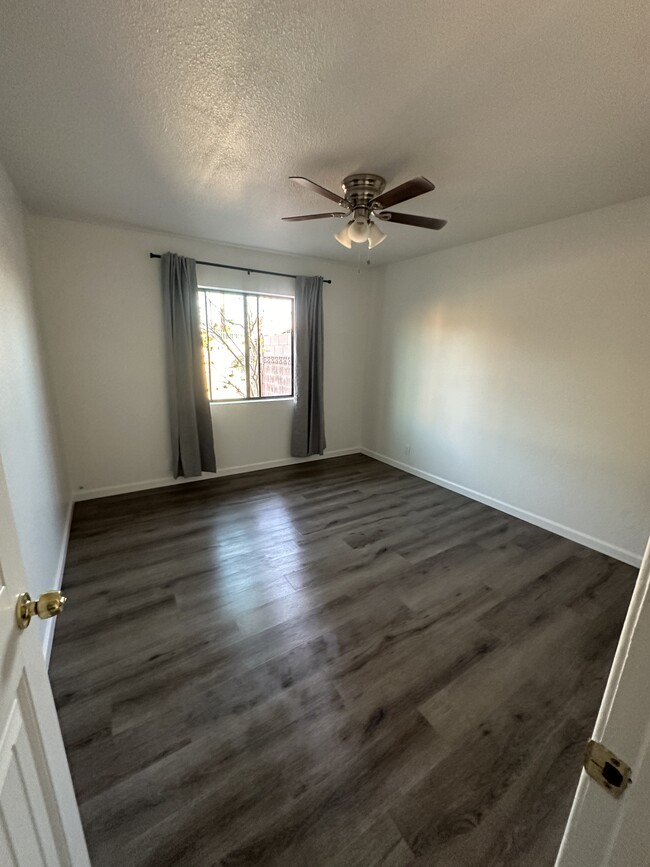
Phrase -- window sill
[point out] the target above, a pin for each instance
(255, 400)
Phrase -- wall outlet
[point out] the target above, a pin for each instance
(407, 451)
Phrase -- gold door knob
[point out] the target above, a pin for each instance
(47, 605)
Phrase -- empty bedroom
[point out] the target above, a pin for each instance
(324, 433)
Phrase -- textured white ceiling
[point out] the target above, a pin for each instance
(189, 116)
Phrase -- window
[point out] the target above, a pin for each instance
(247, 344)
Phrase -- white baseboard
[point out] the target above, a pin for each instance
(581, 538)
(49, 625)
(133, 487)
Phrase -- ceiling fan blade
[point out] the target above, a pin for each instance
(316, 188)
(412, 220)
(316, 216)
(409, 190)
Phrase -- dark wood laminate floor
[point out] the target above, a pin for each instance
(328, 664)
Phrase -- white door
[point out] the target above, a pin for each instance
(39, 818)
(604, 831)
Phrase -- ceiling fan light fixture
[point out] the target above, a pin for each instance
(375, 235)
(343, 237)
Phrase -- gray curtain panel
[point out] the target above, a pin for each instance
(189, 407)
(308, 430)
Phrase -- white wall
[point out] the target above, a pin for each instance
(28, 440)
(517, 367)
(100, 298)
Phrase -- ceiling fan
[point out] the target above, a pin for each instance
(364, 198)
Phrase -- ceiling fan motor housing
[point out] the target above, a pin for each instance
(360, 190)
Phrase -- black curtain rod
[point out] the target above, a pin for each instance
(237, 268)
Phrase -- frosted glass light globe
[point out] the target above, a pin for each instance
(343, 237)
(375, 235)
(358, 231)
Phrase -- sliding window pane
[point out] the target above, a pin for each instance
(276, 350)
(224, 344)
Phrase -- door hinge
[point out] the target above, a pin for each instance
(607, 769)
